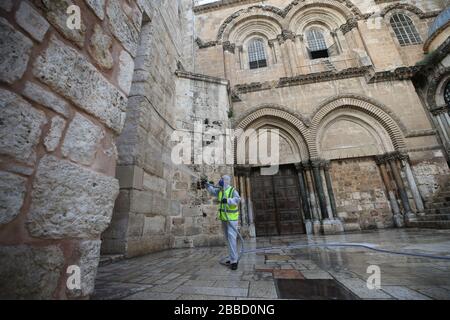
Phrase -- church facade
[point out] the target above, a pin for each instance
(356, 92)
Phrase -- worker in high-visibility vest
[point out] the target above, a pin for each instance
(229, 200)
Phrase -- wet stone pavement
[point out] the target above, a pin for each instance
(281, 273)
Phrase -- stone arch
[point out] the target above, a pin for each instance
(338, 130)
(435, 88)
(331, 13)
(290, 126)
(263, 26)
(372, 111)
(265, 13)
(403, 7)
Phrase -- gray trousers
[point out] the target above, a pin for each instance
(231, 238)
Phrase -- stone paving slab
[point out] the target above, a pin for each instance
(195, 274)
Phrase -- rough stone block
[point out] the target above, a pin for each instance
(89, 252)
(29, 19)
(46, 98)
(15, 51)
(99, 48)
(54, 136)
(30, 273)
(71, 75)
(122, 27)
(20, 127)
(126, 71)
(69, 201)
(82, 139)
(98, 6)
(56, 13)
(12, 194)
(154, 225)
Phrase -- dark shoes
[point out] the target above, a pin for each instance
(234, 266)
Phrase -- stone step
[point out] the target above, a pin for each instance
(434, 217)
(430, 224)
(110, 258)
(438, 205)
(437, 211)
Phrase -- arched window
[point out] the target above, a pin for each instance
(257, 54)
(317, 45)
(447, 94)
(405, 30)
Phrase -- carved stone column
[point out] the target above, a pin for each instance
(404, 158)
(304, 198)
(251, 217)
(330, 189)
(397, 217)
(229, 59)
(285, 58)
(315, 211)
(316, 166)
(392, 159)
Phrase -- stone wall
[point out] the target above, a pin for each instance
(63, 95)
(360, 194)
(159, 206)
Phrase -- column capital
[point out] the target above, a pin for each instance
(242, 171)
(381, 159)
(228, 46)
(326, 165)
(306, 165)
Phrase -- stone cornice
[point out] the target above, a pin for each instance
(203, 45)
(220, 4)
(201, 77)
(403, 73)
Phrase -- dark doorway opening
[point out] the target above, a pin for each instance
(320, 54)
(313, 290)
(276, 202)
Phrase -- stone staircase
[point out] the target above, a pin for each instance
(329, 66)
(437, 211)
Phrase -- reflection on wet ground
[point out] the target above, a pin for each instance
(196, 274)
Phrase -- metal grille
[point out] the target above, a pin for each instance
(257, 54)
(316, 40)
(447, 94)
(405, 30)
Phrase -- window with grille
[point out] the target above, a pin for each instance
(317, 45)
(257, 54)
(405, 30)
(447, 94)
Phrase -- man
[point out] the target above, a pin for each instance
(229, 200)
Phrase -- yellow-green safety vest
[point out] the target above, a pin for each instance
(227, 212)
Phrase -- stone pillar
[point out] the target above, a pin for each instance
(301, 53)
(325, 191)
(285, 56)
(251, 217)
(412, 184)
(304, 198)
(228, 55)
(330, 189)
(392, 160)
(332, 225)
(398, 219)
(315, 211)
(243, 193)
(316, 166)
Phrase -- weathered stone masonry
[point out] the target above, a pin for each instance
(63, 98)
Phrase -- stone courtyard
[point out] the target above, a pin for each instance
(195, 273)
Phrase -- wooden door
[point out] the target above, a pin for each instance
(276, 202)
